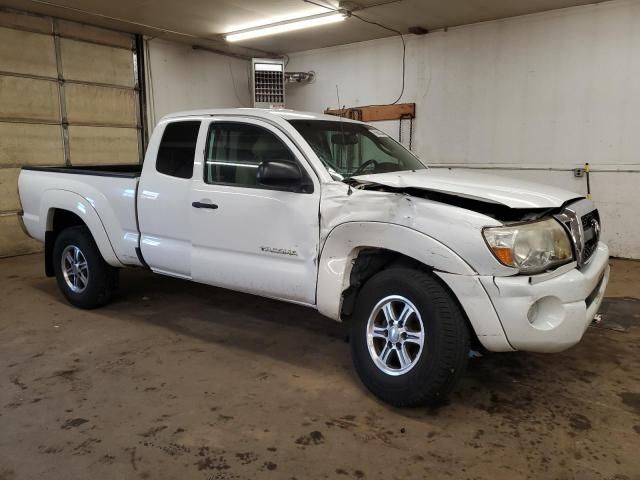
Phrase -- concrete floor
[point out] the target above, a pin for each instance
(178, 380)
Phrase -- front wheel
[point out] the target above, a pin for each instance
(409, 338)
(83, 276)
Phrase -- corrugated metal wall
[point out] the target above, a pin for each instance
(68, 96)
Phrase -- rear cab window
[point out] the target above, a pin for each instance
(177, 149)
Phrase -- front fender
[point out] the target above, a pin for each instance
(66, 200)
(345, 241)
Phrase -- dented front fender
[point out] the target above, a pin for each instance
(345, 241)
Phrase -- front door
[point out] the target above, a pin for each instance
(246, 236)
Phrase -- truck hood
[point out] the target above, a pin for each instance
(477, 186)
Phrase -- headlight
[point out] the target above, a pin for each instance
(530, 247)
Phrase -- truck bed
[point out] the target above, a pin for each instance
(104, 197)
(126, 171)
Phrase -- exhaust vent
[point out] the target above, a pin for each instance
(267, 82)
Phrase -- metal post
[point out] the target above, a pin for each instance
(140, 81)
(64, 123)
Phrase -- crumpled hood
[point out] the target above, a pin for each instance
(478, 186)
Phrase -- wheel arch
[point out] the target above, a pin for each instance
(355, 251)
(62, 209)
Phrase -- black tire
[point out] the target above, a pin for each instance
(102, 278)
(445, 351)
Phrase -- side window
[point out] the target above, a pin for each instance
(235, 150)
(177, 149)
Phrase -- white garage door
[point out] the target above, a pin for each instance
(68, 96)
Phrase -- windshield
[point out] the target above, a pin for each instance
(349, 149)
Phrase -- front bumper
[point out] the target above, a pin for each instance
(549, 315)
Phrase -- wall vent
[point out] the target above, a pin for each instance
(267, 82)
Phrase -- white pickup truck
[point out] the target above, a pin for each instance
(333, 214)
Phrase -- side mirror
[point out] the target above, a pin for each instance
(279, 174)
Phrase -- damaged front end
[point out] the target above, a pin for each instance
(497, 211)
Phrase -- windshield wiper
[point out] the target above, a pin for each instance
(351, 181)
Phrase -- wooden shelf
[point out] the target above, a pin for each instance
(376, 113)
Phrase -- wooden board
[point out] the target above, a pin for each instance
(376, 113)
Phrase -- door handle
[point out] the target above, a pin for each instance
(212, 206)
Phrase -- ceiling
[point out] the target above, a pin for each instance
(202, 22)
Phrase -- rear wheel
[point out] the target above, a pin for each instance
(409, 338)
(83, 276)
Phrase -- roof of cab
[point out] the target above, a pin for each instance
(283, 113)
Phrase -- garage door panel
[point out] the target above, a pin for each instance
(26, 21)
(92, 70)
(13, 241)
(96, 63)
(94, 104)
(28, 98)
(30, 144)
(35, 56)
(9, 189)
(103, 145)
(94, 34)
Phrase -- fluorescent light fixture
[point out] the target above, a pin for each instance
(285, 26)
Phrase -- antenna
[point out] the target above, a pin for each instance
(341, 109)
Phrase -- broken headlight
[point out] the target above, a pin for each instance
(530, 247)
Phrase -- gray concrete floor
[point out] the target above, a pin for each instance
(178, 380)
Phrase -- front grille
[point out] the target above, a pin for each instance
(583, 225)
(591, 234)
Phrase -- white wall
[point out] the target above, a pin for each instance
(180, 78)
(534, 96)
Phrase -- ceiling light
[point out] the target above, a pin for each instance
(285, 26)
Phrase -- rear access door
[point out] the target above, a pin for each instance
(164, 198)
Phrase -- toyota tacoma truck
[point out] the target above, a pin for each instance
(424, 264)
